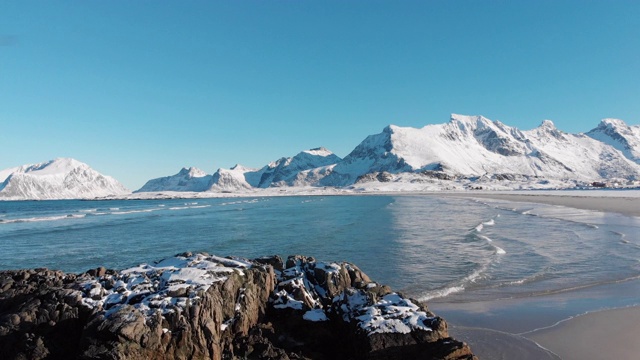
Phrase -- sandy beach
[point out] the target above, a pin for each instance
(626, 203)
(605, 334)
(608, 334)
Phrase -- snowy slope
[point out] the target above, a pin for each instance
(285, 171)
(231, 180)
(304, 169)
(619, 135)
(375, 153)
(476, 146)
(62, 178)
(187, 179)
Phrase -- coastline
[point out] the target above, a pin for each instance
(605, 333)
(626, 203)
(490, 328)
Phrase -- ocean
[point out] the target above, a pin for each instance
(440, 249)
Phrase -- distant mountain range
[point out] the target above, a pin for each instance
(465, 152)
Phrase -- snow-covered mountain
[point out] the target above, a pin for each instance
(476, 146)
(467, 148)
(231, 180)
(619, 135)
(62, 178)
(287, 171)
(187, 179)
(304, 169)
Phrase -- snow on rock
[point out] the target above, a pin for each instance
(619, 135)
(319, 290)
(187, 179)
(204, 306)
(162, 287)
(340, 290)
(392, 314)
(62, 178)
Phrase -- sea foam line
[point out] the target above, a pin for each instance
(481, 226)
(469, 279)
(189, 207)
(39, 219)
(498, 249)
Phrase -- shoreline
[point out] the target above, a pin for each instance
(625, 205)
(608, 333)
(596, 323)
(604, 334)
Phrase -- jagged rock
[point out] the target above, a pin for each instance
(196, 306)
(335, 311)
(440, 175)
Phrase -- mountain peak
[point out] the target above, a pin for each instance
(319, 151)
(612, 123)
(192, 172)
(56, 166)
(548, 124)
(390, 129)
(468, 119)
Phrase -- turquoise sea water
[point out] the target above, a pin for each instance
(441, 249)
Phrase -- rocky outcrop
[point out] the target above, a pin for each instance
(199, 306)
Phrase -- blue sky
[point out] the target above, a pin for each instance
(139, 89)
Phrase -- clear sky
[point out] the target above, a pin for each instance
(139, 89)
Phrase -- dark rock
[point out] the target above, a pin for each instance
(275, 261)
(259, 309)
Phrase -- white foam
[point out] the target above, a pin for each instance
(44, 218)
(517, 282)
(469, 279)
(133, 211)
(499, 250)
(189, 207)
(442, 293)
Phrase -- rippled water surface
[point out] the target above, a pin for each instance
(430, 247)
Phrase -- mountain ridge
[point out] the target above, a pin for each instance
(466, 149)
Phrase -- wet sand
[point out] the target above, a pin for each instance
(608, 334)
(490, 344)
(598, 201)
